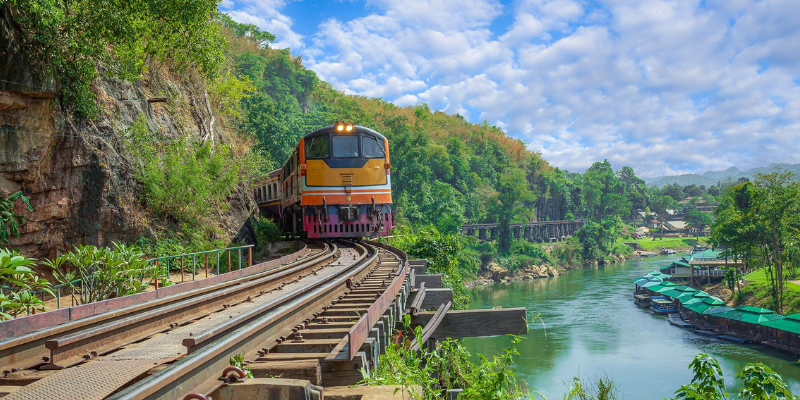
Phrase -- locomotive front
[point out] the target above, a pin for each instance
(345, 185)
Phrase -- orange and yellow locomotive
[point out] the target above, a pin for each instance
(335, 184)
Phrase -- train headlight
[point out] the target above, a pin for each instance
(342, 127)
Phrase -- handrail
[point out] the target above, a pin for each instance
(200, 252)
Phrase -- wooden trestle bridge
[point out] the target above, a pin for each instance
(315, 318)
(541, 231)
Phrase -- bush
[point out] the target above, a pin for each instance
(758, 382)
(568, 254)
(20, 281)
(441, 251)
(447, 367)
(103, 273)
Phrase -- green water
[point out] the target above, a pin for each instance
(593, 329)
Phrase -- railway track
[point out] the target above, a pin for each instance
(322, 307)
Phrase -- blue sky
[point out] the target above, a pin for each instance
(663, 86)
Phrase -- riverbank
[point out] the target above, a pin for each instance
(492, 272)
(677, 244)
(587, 325)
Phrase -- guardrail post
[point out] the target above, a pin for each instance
(240, 258)
(182, 275)
(250, 256)
(229, 261)
(217, 262)
(206, 265)
(158, 272)
(194, 263)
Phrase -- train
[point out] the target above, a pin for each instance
(335, 184)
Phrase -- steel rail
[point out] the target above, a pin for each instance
(202, 367)
(111, 335)
(28, 350)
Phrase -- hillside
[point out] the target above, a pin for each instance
(710, 178)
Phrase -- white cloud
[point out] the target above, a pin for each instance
(663, 86)
(266, 15)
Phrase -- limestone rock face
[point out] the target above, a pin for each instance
(76, 171)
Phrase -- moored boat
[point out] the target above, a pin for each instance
(660, 305)
(665, 250)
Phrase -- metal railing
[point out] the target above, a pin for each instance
(222, 260)
(178, 261)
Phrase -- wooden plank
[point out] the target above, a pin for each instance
(308, 369)
(418, 299)
(431, 281)
(471, 323)
(434, 297)
(431, 326)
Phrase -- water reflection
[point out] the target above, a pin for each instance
(593, 329)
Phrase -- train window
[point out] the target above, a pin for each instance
(269, 192)
(372, 148)
(317, 147)
(345, 146)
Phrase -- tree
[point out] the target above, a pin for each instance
(603, 192)
(697, 220)
(673, 190)
(761, 221)
(509, 202)
(660, 205)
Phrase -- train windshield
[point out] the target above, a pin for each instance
(372, 148)
(317, 147)
(345, 146)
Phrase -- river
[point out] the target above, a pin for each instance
(590, 328)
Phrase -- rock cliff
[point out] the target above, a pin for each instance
(75, 170)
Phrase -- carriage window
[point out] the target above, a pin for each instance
(345, 146)
(372, 148)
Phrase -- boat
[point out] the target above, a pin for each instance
(661, 305)
(642, 300)
(665, 250)
(698, 248)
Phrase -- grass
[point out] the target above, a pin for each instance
(757, 293)
(671, 243)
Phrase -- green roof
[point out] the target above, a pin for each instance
(755, 310)
(671, 292)
(793, 316)
(750, 314)
(654, 276)
(789, 324)
(714, 301)
(706, 305)
(706, 255)
(701, 294)
(687, 296)
(681, 264)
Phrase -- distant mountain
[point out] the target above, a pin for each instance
(712, 177)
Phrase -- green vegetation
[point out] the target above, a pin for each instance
(10, 221)
(19, 280)
(441, 250)
(759, 382)
(759, 222)
(670, 243)
(446, 367)
(103, 273)
(72, 38)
